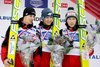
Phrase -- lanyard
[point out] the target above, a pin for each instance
(70, 36)
(22, 32)
(44, 34)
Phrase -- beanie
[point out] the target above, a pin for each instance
(46, 12)
(29, 11)
(70, 13)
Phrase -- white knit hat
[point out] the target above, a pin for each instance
(71, 13)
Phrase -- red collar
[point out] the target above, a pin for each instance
(25, 27)
(71, 29)
(47, 28)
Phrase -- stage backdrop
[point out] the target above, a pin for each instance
(5, 17)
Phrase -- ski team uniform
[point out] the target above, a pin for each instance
(44, 60)
(72, 58)
(46, 33)
(22, 33)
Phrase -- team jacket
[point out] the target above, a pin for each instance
(46, 34)
(75, 37)
(24, 36)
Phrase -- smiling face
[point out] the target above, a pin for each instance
(71, 21)
(48, 20)
(29, 19)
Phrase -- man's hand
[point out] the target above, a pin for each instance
(7, 63)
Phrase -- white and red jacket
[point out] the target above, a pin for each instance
(46, 34)
(74, 35)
